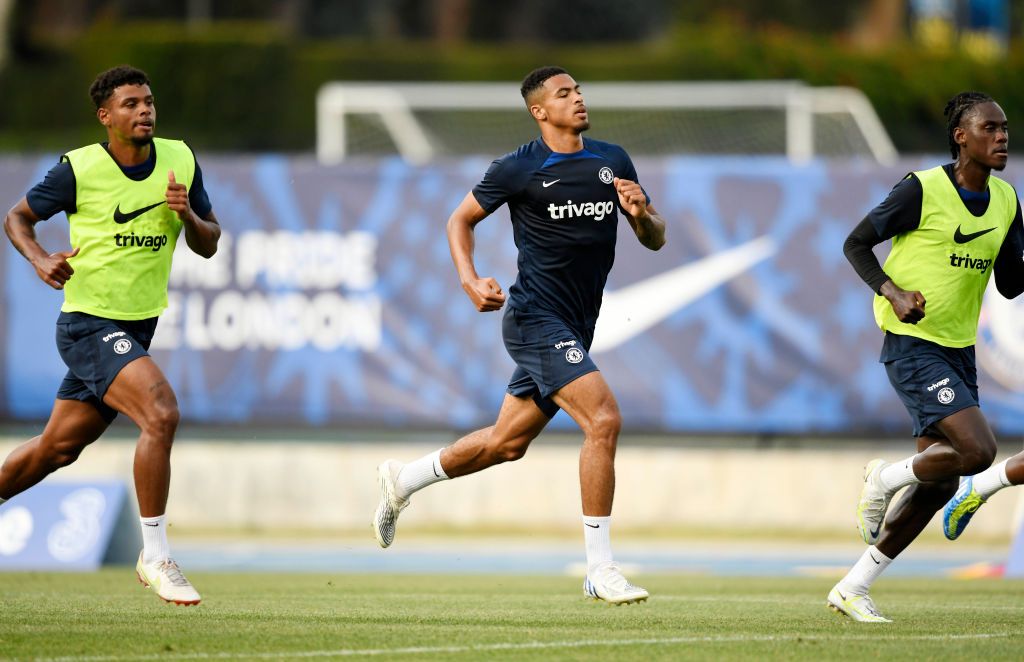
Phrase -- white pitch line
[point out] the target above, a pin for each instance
(747, 600)
(532, 645)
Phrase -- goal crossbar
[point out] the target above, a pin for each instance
(394, 105)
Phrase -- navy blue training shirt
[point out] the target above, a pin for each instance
(564, 218)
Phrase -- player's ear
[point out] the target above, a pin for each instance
(538, 113)
(103, 116)
(960, 136)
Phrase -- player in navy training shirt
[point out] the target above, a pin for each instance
(564, 193)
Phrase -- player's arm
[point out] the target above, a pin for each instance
(1009, 266)
(201, 233)
(643, 218)
(52, 268)
(899, 213)
(485, 293)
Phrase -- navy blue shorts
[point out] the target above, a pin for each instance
(94, 350)
(548, 355)
(932, 381)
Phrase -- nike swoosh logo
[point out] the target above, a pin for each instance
(874, 534)
(120, 217)
(631, 310)
(593, 526)
(434, 467)
(547, 184)
(877, 562)
(151, 524)
(961, 238)
(841, 594)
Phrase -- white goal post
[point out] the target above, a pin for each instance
(665, 110)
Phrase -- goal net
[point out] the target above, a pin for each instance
(423, 121)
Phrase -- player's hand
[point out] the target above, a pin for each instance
(908, 306)
(631, 197)
(177, 197)
(485, 293)
(54, 269)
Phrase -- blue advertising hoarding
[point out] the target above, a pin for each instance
(61, 525)
(333, 301)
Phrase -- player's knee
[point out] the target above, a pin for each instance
(607, 423)
(511, 451)
(977, 459)
(977, 462)
(61, 453)
(163, 420)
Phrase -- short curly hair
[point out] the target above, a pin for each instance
(103, 87)
(536, 78)
(955, 110)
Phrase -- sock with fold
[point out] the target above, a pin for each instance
(419, 473)
(991, 480)
(899, 474)
(154, 539)
(865, 571)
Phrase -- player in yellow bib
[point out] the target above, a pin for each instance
(951, 228)
(127, 201)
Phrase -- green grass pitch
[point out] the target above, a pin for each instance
(108, 616)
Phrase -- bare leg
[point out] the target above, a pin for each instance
(911, 514)
(971, 447)
(141, 392)
(1015, 469)
(964, 445)
(73, 425)
(590, 403)
(519, 422)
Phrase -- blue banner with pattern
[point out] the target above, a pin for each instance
(333, 301)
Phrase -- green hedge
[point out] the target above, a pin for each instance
(249, 88)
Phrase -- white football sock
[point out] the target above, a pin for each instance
(865, 571)
(899, 474)
(154, 539)
(598, 539)
(991, 480)
(419, 473)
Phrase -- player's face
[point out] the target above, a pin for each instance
(984, 135)
(130, 114)
(563, 103)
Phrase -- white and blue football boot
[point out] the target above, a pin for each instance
(961, 508)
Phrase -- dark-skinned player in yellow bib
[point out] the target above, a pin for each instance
(127, 201)
(951, 228)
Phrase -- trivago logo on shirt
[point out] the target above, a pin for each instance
(979, 264)
(594, 210)
(132, 240)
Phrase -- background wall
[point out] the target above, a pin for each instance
(323, 489)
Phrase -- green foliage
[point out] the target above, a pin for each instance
(244, 87)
